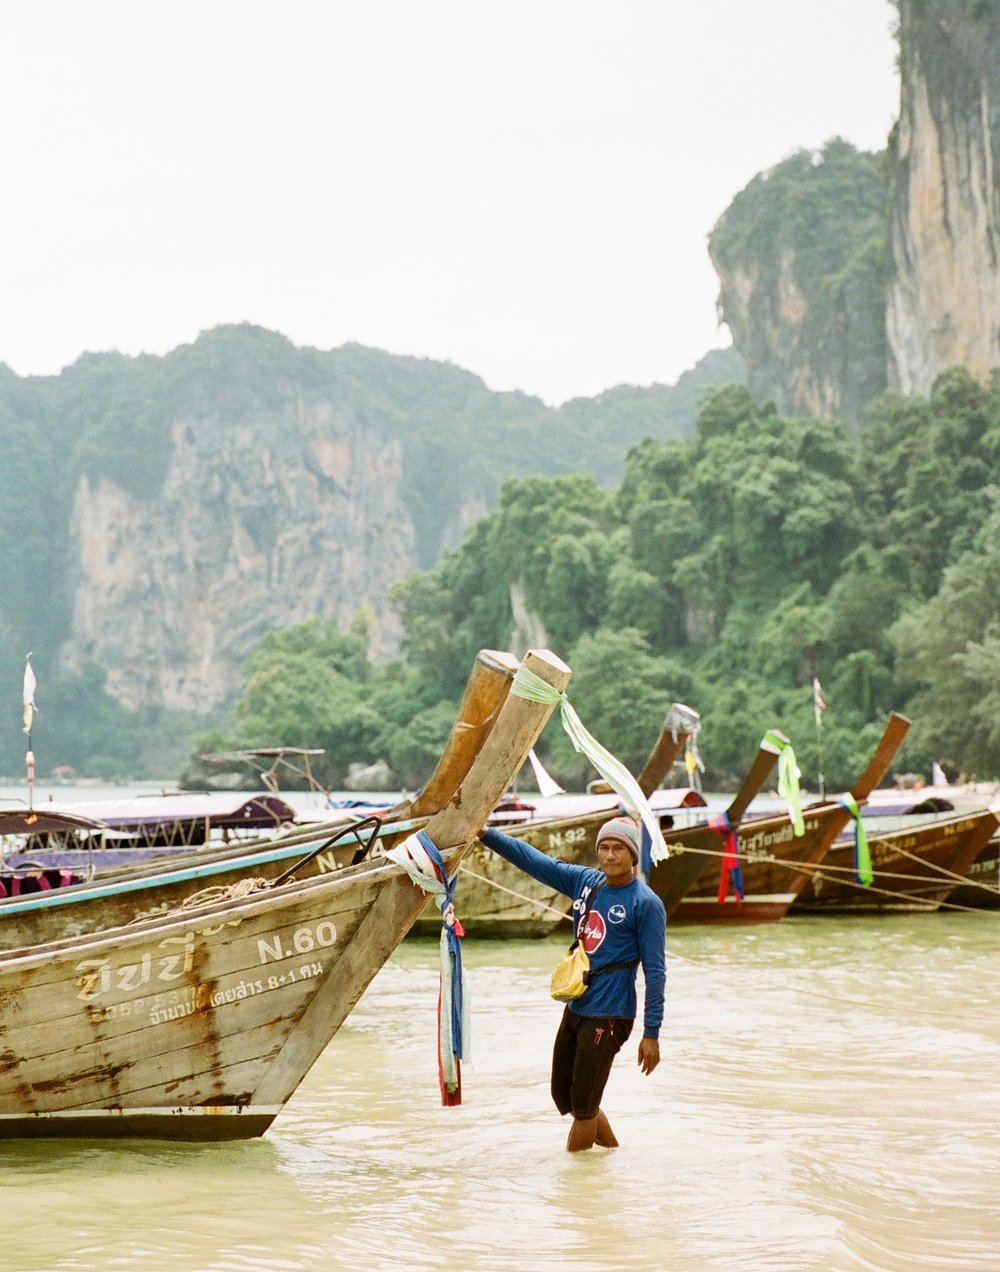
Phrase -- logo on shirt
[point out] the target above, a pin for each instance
(594, 933)
(617, 913)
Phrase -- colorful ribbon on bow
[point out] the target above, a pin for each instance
(419, 857)
(788, 779)
(527, 685)
(863, 872)
(730, 870)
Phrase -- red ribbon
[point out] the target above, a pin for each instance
(730, 858)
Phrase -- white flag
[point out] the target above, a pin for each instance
(819, 702)
(28, 694)
(547, 784)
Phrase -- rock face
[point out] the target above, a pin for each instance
(163, 513)
(843, 273)
(943, 304)
(799, 258)
(260, 524)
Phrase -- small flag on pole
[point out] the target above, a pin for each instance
(819, 702)
(547, 784)
(28, 694)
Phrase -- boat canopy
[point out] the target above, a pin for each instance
(910, 807)
(159, 813)
(22, 820)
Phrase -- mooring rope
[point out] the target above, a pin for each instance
(845, 874)
(816, 870)
(673, 956)
(521, 896)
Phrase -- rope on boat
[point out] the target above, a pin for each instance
(214, 895)
(222, 892)
(218, 893)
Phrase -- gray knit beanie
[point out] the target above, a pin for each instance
(625, 829)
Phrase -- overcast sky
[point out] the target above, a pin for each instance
(523, 188)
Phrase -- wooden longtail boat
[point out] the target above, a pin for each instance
(200, 1025)
(690, 848)
(121, 896)
(914, 867)
(88, 840)
(981, 888)
(776, 863)
(494, 899)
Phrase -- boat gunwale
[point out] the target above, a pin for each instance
(27, 956)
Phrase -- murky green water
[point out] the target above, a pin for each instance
(828, 1100)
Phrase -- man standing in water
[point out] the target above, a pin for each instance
(626, 926)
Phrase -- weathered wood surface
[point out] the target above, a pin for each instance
(201, 1024)
(110, 900)
(943, 847)
(485, 694)
(776, 863)
(496, 900)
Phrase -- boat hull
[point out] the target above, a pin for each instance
(186, 1027)
(186, 1125)
(981, 889)
(914, 867)
(127, 896)
(201, 1023)
(775, 862)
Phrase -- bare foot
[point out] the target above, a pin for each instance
(582, 1134)
(605, 1135)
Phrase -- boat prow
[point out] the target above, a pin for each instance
(199, 1024)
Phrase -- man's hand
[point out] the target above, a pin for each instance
(649, 1054)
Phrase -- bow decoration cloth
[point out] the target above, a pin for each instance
(419, 857)
(863, 872)
(788, 778)
(730, 872)
(527, 685)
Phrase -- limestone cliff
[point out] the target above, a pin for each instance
(843, 273)
(163, 513)
(799, 255)
(943, 303)
(259, 524)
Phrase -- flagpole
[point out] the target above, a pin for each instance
(819, 752)
(819, 706)
(28, 698)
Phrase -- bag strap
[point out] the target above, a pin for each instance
(611, 967)
(586, 913)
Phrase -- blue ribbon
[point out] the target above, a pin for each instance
(445, 901)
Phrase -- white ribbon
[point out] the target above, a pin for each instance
(527, 685)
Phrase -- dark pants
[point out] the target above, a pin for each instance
(584, 1051)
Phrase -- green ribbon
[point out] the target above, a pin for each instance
(527, 685)
(862, 855)
(788, 779)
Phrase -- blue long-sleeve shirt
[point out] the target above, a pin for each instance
(625, 924)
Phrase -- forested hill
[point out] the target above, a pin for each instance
(726, 572)
(160, 514)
